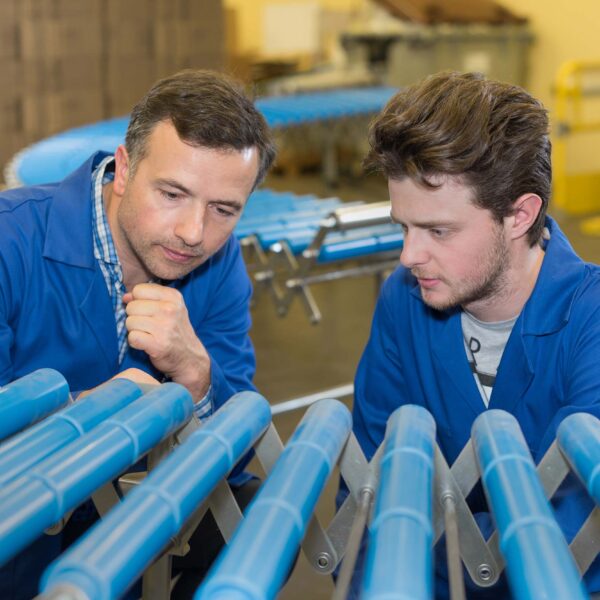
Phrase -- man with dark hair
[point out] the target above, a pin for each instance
(490, 307)
(129, 268)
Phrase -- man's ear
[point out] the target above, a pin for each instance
(121, 170)
(526, 209)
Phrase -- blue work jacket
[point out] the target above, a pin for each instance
(550, 368)
(55, 309)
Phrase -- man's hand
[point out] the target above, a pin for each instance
(138, 377)
(158, 323)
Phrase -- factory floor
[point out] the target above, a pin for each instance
(295, 358)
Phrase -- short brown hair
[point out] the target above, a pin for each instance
(207, 109)
(492, 135)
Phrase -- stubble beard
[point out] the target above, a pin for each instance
(148, 252)
(489, 282)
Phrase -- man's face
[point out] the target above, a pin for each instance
(180, 205)
(457, 251)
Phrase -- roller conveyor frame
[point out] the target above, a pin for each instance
(326, 547)
(577, 448)
(284, 275)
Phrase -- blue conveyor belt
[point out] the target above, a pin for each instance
(257, 560)
(287, 111)
(400, 555)
(283, 216)
(338, 245)
(55, 157)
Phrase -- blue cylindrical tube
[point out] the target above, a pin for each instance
(578, 437)
(255, 563)
(104, 564)
(29, 398)
(399, 558)
(27, 448)
(538, 562)
(37, 499)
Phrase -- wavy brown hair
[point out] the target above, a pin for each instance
(492, 135)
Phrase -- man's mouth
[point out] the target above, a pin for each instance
(427, 282)
(180, 257)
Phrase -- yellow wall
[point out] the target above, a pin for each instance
(564, 30)
(249, 15)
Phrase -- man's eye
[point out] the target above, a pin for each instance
(225, 212)
(170, 195)
(439, 232)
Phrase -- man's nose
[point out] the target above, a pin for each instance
(190, 226)
(414, 250)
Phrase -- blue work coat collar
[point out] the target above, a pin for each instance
(71, 214)
(549, 306)
(69, 240)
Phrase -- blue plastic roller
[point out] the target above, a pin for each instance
(399, 562)
(27, 448)
(578, 437)
(262, 550)
(117, 550)
(34, 501)
(538, 562)
(29, 398)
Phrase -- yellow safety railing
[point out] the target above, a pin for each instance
(576, 194)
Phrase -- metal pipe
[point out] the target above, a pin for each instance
(455, 571)
(376, 213)
(354, 543)
(338, 392)
(360, 271)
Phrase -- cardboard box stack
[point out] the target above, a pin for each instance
(69, 62)
(11, 108)
(189, 34)
(130, 57)
(61, 58)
